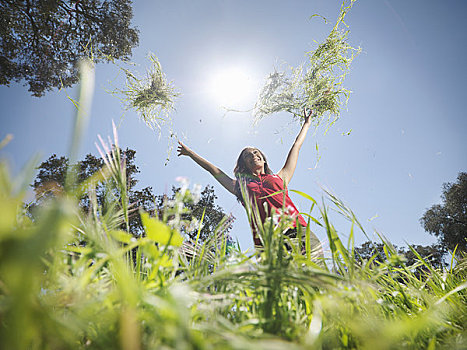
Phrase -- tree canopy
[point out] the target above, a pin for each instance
(42, 42)
(213, 215)
(433, 254)
(448, 221)
(51, 175)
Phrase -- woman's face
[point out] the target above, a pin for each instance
(254, 161)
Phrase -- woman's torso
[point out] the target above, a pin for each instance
(263, 189)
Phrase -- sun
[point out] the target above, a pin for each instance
(231, 86)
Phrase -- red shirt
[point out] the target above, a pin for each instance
(264, 185)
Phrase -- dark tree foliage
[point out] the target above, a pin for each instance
(51, 179)
(368, 249)
(448, 221)
(214, 215)
(41, 41)
(432, 254)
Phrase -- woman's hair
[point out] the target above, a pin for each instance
(241, 170)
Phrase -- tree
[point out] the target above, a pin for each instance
(50, 181)
(43, 41)
(432, 254)
(448, 221)
(368, 249)
(214, 215)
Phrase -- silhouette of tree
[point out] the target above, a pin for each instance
(448, 221)
(42, 42)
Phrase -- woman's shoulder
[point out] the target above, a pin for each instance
(276, 176)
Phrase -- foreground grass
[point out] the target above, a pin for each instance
(75, 280)
(78, 280)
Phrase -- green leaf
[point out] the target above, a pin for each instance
(121, 236)
(79, 249)
(303, 194)
(8, 208)
(159, 232)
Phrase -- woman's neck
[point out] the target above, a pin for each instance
(258, 172)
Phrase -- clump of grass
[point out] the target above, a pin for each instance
(317, 84)
(152, 96)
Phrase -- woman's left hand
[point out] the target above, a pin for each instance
(307, 112)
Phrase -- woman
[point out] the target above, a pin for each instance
(252, 172)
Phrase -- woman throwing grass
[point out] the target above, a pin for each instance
(266, 191)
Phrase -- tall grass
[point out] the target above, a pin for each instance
(71, 279)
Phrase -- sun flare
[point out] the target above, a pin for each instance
(231, 86)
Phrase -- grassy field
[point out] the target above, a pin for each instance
(70, 279)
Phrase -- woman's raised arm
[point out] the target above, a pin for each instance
(288, 170)
(219, 175)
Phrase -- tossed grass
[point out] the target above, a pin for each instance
(317, 84)
(152, 96)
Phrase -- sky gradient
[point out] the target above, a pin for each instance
(406, 115)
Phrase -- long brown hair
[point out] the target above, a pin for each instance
(242, 172)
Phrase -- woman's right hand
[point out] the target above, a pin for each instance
(183, 150)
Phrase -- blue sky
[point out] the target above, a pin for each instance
(406, 112)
